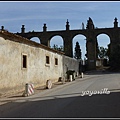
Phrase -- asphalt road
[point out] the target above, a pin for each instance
(68, 101)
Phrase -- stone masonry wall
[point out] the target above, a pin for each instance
(70, 64)
(13, 76)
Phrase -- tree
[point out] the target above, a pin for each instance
(102, 52)
(77, 53)
(58, 48)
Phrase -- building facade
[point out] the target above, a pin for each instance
(23, 61)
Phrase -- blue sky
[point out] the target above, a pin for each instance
(55, 14)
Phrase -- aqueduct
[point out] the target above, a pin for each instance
(90, 32)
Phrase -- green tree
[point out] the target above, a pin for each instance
(58, 48)
(102, 53)
(77, 53)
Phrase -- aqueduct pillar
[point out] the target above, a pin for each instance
(68, 45)
(91, 52)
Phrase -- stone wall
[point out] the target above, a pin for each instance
(23, 61)
(14, 75)
(70, 64)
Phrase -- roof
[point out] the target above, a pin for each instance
(20, 39)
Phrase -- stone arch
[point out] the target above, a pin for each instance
(81, 38)
(35, 39)
(79, 33)
(54, 35)
(57, 40)
(99, 38)
(103, 40)
(105, 33)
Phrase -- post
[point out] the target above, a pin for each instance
(26, 89)
(49, 84)
(29, 90)
(70, 78)
(81, 74)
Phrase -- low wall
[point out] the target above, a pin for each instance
(70, 64)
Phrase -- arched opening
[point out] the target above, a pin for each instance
(35, 39)
(81, 39)
(103, 41)
(56, 43)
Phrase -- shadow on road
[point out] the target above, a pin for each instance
(96, 106)
(99, 72)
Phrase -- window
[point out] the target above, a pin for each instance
(24, 61)
(47, 60)
(56, 61)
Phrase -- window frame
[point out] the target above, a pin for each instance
(24, 63)
(47, 60)
(56, 61)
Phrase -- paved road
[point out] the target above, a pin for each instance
(66, 100)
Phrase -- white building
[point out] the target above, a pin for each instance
(23, 61)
